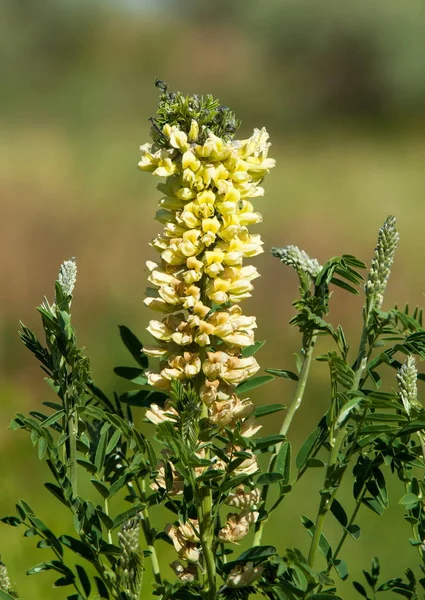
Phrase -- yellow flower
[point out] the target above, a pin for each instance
(242, 499)
(157, 415)
(186, 549)
(244, 575)
(237, 526)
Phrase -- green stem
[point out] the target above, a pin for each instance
(106, 505)
(206, 530)
(327, 499)
(73, 430)
(413, 527)
(296, 403)
(147, 532)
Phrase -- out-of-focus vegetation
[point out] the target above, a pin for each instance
(340, 87)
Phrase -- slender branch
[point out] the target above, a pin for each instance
(296, 403)
(327, 499)
(73, 430)
(147, 532)
(349, 524)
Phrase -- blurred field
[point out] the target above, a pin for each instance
(341, 91)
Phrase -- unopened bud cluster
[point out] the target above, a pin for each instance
(407, 377)
(199, 280)
(5, 583)
(130, 565)
(382, 261)
(68, 276)
(298, 259)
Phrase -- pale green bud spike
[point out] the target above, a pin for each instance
(130, 565)
(68, 276)
(5, 583)
(381, 263)
(407, 377)
(298, 259)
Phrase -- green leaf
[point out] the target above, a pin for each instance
(409, 500)
(251, 350)
(115, 438)
(128, 514)
(57, 492)
(53, 418)
(347, 409)
(267, 409)
(119, 483)
(143, 398)
(269, 478)
(283, 462)
(339, 513)
(324, 597)
(374, 505)
(344, 285)
(253, 383)
(305, 450)
(257, 553)
(354, 531)
(101, 487)
(360, 589)
(89, 466)
(101, 449)
(268, 441)
(5, 596)
(341, 568)
(77, 546)
(324, 545)
(101, 588)
(42, 447)
(134, 346)
(133, 374)
(233, 482)
(283, 373)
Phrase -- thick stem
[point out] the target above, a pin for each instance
(106, 505)
(206, 531)
(204, 493)
(296, 403)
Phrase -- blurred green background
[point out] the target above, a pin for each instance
(340, 86)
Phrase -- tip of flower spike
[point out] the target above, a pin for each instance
(68, 276)
(196, 115)
(292, 256)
